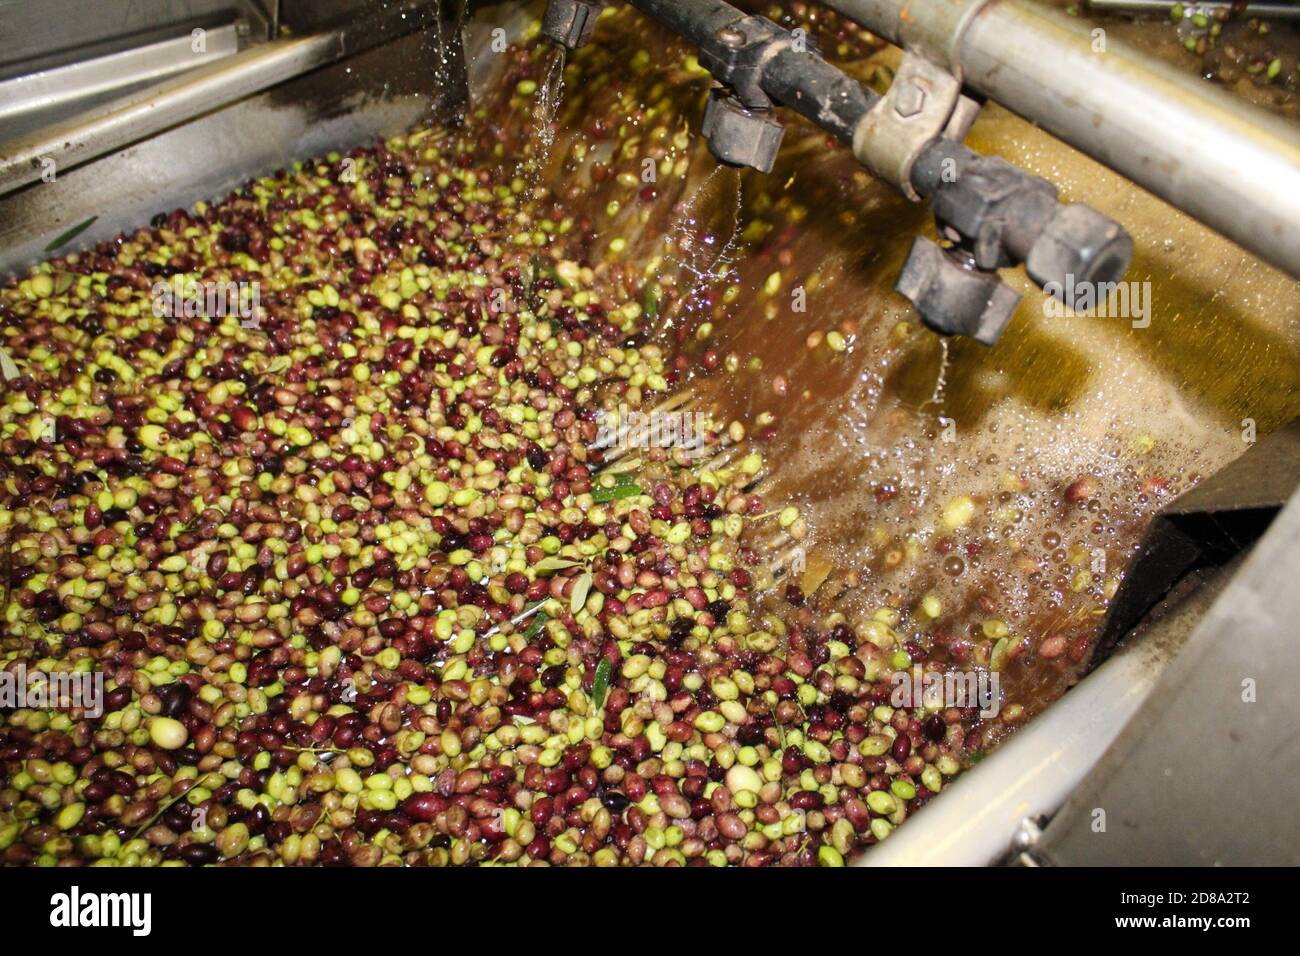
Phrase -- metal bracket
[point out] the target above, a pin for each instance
(923, 103)
(925, 100)
(738, 122)
(995, 209)
(935, 31)
(737, 59)
(1026, 845)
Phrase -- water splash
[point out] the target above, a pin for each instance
(703, 238)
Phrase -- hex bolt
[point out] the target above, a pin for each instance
(1079, 247)
(909, 100)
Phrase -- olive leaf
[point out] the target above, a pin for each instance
(622, 489)
(66, 237)
(651, 306)
(7, 366)
(535, 626)
(600, 684)
(547, 565)
(580, 589)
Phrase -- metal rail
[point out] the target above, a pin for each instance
(139, 116)
(1275, 9)
(66, 87)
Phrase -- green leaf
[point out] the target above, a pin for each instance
(651, 306)
(8, 367)
(580, 589)
(600, 684)
(535, 626)
(999, 655)
(71, 234)
(623, 489)
(552, 563)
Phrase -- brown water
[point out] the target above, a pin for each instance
(1237, 58)
(872, 441)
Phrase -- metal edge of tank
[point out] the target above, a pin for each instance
(976, 820)
(348, 101)
(1217, 730)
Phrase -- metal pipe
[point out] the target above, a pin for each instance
(809, 85)
(1225, 162)
(698, 21)
(759, 63)
(801, 81)
(819, 92)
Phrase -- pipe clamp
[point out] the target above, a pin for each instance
(923, 103)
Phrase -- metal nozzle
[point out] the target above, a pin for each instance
(569, 23)
(740, 136)
(953, 296)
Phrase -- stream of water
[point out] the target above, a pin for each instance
(549, 97)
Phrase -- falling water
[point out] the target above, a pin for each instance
(545, 113)
(453, 11)
(440, 70)
(936, 396)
